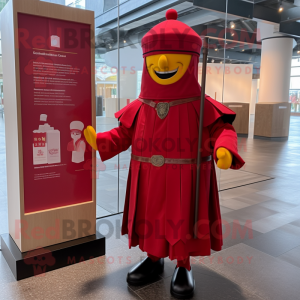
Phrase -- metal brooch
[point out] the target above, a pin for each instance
(157, 160)
(162, 109)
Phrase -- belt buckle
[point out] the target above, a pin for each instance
(162, 109)
(157, 160)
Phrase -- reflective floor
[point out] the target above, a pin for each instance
(262, 263)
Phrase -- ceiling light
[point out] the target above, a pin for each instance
(221, 62)
(298, 51)
(232, 25)
(124, 41)
(243, 50)
(216, 49)
(212, 60)
(281, 8)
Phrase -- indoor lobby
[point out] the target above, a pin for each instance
(253, 69)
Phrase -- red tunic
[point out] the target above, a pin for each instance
(159, 206)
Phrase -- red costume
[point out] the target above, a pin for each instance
(160, 200)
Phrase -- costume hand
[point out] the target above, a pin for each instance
(91, 137)
(224, 158)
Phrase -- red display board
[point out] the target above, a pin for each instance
(56, 106)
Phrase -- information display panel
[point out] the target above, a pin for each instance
(55, 81)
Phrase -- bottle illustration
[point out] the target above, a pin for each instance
(46, 144)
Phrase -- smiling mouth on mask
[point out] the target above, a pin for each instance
(166, 75)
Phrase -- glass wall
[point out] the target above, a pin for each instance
(295, 86)
(128, 56)
(3, 188)
(107, 104)
(76, 3)
(241, 69)
(232, 73)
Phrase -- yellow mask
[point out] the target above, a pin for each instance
(166, 69)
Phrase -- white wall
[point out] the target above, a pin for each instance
(237, 82)
(276, 61)
(254, 95)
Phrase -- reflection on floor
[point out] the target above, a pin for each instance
(229, 179)
(260, 258)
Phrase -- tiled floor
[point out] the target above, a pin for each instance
(260, 260)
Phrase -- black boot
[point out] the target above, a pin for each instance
(144, 271)
(182, 284)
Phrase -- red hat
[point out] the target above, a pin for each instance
(171, 36)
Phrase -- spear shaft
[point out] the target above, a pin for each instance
(199, 158)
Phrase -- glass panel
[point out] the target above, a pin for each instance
(109, 4)
(107, 104)
(241, 88)
(295, 83)
(217, 25)
(131, 60)
(3, 184)
(295, 86)
(131, 67)
(2, 3)
(76, 3)
(296, 62)
(295, 71)
(3, 188)
(295, 100)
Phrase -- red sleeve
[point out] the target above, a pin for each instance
(113, 142)
(223, 135)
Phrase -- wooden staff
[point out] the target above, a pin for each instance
(199, 158)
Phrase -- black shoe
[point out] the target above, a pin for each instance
(182, 284)
(143, 272)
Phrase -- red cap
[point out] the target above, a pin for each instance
(171, 36)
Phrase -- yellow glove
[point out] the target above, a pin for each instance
(91, 137)
(224, 158)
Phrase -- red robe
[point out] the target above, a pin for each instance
(159, 206)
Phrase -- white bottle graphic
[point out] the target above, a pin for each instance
(46, 144)
(40, 145)
(55, 41)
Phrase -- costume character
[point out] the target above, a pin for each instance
(162, 128)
